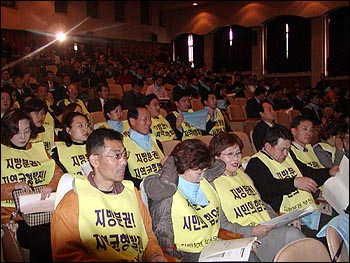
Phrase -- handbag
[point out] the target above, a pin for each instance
(32, 219)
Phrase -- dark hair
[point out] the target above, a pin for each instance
(9, 125)
(277, 132)
(68, 109)
(34, 105)
(331, 128)
(96, 140)
(67, 123)
(111, 105)
(8, 89)
(222, 141)
(179, 94)
(99, 87)
(191, 154)
(205, 95)
(133, 112)
(137, 82)
(259, 90)
(147, 100)
(298, 119)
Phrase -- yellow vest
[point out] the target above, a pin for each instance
(143, 163)
(298, 199)
(105, 124)
(309, 157)
(195, 226)
(72, 157)
(219, 123)
(188, 130)
(161, 129)
(49, 120)
(82, 105)
(328, 148)
(240, 200)
(32, 166)
(110, 225)
(47, 137)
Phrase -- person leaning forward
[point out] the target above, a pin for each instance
(103, 217)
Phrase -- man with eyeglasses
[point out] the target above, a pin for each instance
(103, 217)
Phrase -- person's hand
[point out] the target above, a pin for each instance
(158, 258)
(45, 192)
(338, 143)
(334, 170)
(306, 184)
(179, 121)
(23, 186)
(262, 230)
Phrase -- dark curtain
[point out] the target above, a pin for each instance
(299, 51)
(338, 61)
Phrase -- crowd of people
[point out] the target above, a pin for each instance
(152, 206)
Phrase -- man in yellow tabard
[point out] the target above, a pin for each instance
(182, 128)
(146, 152)
(160, 127)
(285, 184)
(103, 217)
(302, 129)
(221, 121)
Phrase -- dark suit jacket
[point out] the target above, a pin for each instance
(94, 105)
(259, 132)
(253, 108)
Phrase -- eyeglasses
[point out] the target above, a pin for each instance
(118, 156)
(233, 155)
(25, 133)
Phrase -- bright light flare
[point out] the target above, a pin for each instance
(61, 36)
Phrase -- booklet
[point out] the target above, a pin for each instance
(31, 203)
(336, 189)
(288, 217)
(227, 250)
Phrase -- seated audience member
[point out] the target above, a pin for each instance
(70, 153)
(179, 192)
(160, 127)
(126, 77)
(146, 152)
(6, 100)
(313, 110)
(104, 189)
(113, 113)
(157, 88)
(133, 98)
(17, 129)
(37, 110)
(253, 106)
(301, 99)
(182, 128)
(220, 119)
(72, 93)
(334, 143)
(282, 181)
(97, 104)
(237, 193)
(42, 92)
(302, 129)
(267, 120)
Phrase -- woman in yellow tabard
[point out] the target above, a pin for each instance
(183, 206)
(241, 203)
(25, 165)
(70, 153)
(37, 110)
(160, 127)
(113, 113)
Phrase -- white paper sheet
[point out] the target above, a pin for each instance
(31, 203)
